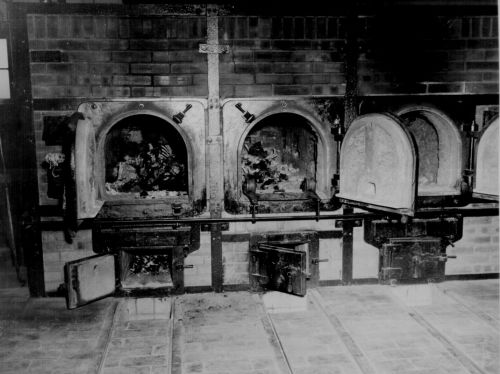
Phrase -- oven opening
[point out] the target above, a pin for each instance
(439, 151)
(145, 157)
(279, 158)
(145, 270)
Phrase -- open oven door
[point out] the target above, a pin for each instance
(87, 199)
(486, 181)
(378, 165)
(89, 279)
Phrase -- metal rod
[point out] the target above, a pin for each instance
(423, 213)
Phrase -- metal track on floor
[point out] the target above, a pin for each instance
(457, 353)
(355, 351)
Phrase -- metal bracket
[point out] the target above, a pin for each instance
(214, 48)
(339, 223)
(224, 226)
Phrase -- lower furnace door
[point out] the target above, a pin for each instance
(412, 259)
(279, 268)
(89, 279)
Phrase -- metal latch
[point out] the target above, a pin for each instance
(315, 261)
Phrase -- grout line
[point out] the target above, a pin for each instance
(481, 315)
(461, 357)
(276, 343)
(466, 362)
(171, 336)
(355, 351)
(107, 340)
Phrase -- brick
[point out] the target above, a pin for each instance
(482, 43)
(46, 56)
(292, 90)
(253, 67)
(177, 56)
(40, 27)
(59, 68)
(445, 87)
(338, 89)
(50, 79)
(291, 44)
(150, 68)
(132, 56)
(173, 80)
(492, 77)
(124, 80)
(68, 44)
(486, 26)
(113, 68)
(236, 79)
(491, 55)
(482, 65)
(327, 67)
(273, 79)
(172, 91)
(52, 25)
(100, 92)
(146, 44)
(481, 88)
(253, 90)
(311, 79)
(296, 67)
(195, 68)
(108, 44)
(100, 56)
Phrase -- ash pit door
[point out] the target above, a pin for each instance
(486, 181)
(87, 200)
(378, 165)
(279, 268)
(89, 279)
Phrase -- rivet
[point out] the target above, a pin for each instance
(141, 106)
(93, 106)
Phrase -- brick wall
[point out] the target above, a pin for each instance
(201, 272)
(428, 54)
(83, 56)
(56, 252)
(477, 252)
(282, 56)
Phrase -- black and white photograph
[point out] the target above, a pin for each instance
(249, 187)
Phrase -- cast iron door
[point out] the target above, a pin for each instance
(280, 268)
(89, 279)
(378, 165)
(486, 181)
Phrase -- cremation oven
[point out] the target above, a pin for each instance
(138, 163)
(403, 163)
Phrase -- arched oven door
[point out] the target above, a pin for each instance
(378, 165)
(88, 202)
(486, 181)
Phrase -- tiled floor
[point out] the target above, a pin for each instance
(451, 327)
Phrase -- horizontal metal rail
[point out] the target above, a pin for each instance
(423, 213)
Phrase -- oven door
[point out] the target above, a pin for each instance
(88, 203)
(486, 181)
(89, 279)
(378, 165)
(280, 268)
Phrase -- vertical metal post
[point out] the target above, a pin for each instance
(350, 113)
(214, 145)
